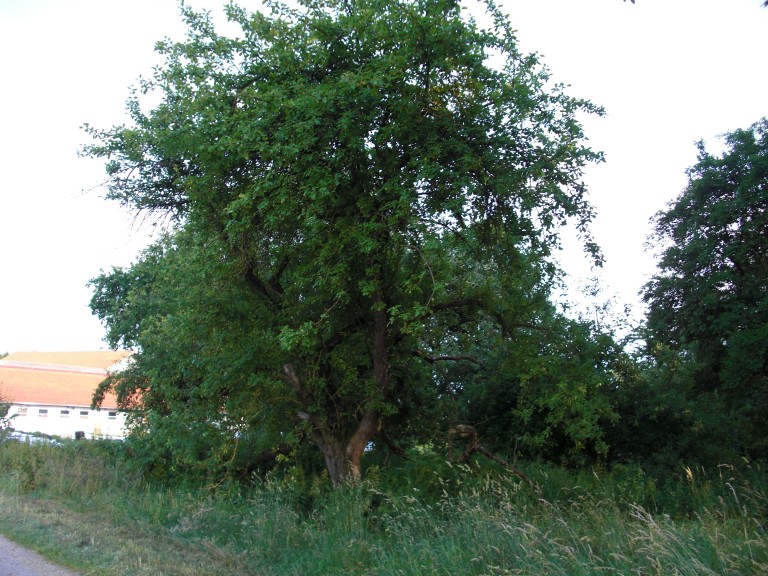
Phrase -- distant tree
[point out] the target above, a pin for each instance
(709, 300)
(5, 408)
(5, 422)
(378, 183)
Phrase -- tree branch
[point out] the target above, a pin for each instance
(297, 385)
(390, 443)
(473, 445)
(264, 288)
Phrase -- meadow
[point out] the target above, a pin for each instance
(84, 506)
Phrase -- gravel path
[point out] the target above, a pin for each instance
(18, 561)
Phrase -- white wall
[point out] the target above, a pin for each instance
(64, 421)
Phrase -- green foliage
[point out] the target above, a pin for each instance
(91, 469)
(469, 522)
(708, 303)
(355, 186)
(5, 421)
(197, 410)
(550, 391)
(664, 423)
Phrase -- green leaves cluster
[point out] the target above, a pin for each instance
(5, 422)
(709, 303)
(199, 333)
(359, 188)
(550, 391)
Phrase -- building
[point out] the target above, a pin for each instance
(51, 393)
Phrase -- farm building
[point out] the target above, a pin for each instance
(51, 393)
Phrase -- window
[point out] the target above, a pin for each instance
(42, 412)
(21, 411)
(112, 415)
(64, 414)
(83, 413)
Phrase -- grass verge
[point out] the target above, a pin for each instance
(83, 508)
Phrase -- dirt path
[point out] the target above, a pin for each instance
(18, 561)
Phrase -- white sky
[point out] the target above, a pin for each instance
(668, 72)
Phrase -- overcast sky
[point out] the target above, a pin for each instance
(668, 72)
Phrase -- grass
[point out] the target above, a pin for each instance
(84, 508)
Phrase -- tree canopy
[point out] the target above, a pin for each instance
(709, 300)
(361, 189)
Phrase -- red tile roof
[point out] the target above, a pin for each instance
(57, 378)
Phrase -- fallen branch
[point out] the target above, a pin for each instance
(390, 443)
(473, 445)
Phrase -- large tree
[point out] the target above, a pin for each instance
(377, 173)
(709, 300)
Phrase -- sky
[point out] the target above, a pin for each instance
(668, 73)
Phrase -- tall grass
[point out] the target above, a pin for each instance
(440, 520)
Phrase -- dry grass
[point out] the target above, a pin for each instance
(97, 544)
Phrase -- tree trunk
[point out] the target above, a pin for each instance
(340, 468)
(344, 459)
(343, 456)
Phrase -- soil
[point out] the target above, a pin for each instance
(18, 561)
